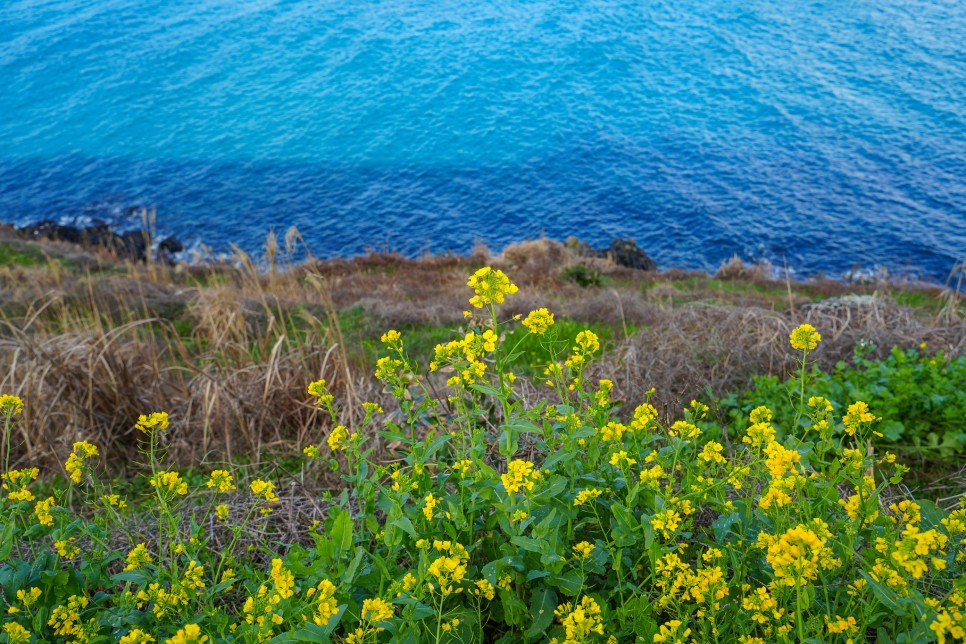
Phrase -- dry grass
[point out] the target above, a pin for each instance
(90, 343)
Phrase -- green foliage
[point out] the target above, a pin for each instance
(582, 275)
(920, 396)
(19, 255)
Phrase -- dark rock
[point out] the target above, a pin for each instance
(623, 252)
(134, 244)
(626, 252)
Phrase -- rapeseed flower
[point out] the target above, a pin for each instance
(797, 555)
(136, 636)
(16, 634)
(76, 461)
(587, 342)
(805, 338)
(431, 503)
(539, 321)
(66, 548)
(190, 634)
(520, 475)
(491, 287)
(138, 558)
(158, 421)
(169, 481)
(337, 439)
(484, 589)
(323, 397)
(221, 481)
(858, 415)
(113, 501)
(10, 405)
(283, 579)
(376, 610)
(587, 496)
(621, 459)
(264, 489)
(583, 549)
(581, 620)
(672, 633)
(326, 605)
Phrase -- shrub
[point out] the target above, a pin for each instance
(506, 521)
(921, 397)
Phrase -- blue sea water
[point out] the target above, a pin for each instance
(810, 133)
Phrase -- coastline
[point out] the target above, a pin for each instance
(142, 244)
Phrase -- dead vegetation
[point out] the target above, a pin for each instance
(90, 342)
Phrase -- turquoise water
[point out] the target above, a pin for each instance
(816, 134)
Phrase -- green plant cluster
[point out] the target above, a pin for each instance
(497, 519)
(920, 396)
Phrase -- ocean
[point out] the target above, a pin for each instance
(812, 134)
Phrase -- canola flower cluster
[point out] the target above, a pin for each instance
(565, 521)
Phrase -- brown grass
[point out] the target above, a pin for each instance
(90, 343)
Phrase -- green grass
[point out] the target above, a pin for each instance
(18, 254)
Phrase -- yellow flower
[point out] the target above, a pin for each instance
(805, 338)
(841, 625)
(22, 494)
(221, 480)
(672, 633)
(712, 453)
(326, 606)
(666, 522)
(652, 477)
(323, 398)
(114, 501)
(587, 342)
(491, 287)
(190, 634)
(16, 634)
(19, 477)
(264, 489)
(621, 459)
(797, 555)
(75, 462)
(583, 549)
(66, 618)
(612, 431)
(484, 589)
(644, 415)
(29, 597)
(137, 636)
(391, 337)
(158, 421)
(311, 451)
(138, 557)
(539, 321)
(684, 429)
(66, 548)
(431, 503)
(221, 511)
(580, 621)
(376, 610)
(857, 416)
(337, 438)
(169, 481)
(10, 405)
(519, 475)
(586, 496)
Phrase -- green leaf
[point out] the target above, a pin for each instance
(542, 605)
(341, 531)
(569, 583)
(6, 539)
(885, 596)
